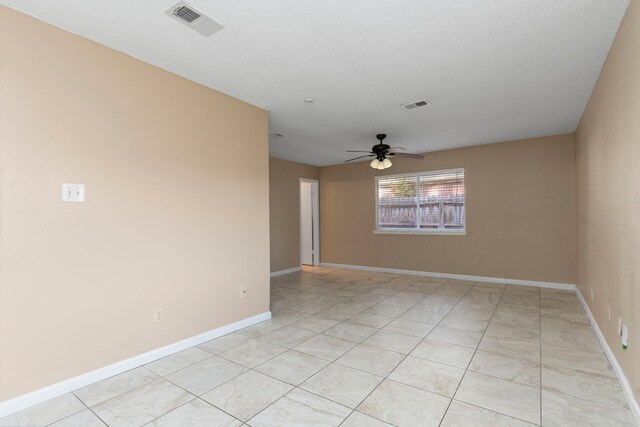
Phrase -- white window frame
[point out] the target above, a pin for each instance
(419, 231)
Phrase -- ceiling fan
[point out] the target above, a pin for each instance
(381, 152)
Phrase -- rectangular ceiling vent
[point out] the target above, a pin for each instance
(416, 104)
(276, 135)
(194, 19)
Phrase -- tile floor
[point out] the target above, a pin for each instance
(355, 348)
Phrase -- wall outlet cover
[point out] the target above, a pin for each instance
(73, 193)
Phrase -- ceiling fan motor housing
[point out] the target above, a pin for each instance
(380, 150)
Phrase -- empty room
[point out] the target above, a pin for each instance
(319, 213)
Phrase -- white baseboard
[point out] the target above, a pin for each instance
(281, 272)
(617, 369)
(22, 402)
(551, 285)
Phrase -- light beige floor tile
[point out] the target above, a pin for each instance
(45, 413)
(501, 330)
(596, 363)
(288, 336)
(386, 310)
(513, 315)
(563, 313)
(252, 353)
(353, 305)
(350, 331)
(206, 375)
(506, 397)
(342, 384)
(370, 297)
(402, 405)
(404, 302)
(461, 414)
(521, 300)
(374, 320)
(371, 359)
(584, 385)
(246, 395)
(106, 389)
(84, 418)
(261, 329)
(442, 352)
(554, 325)
(308, 307)
(138, 407)
(287, 316)
(463, 321)
(409, 327)
(437, 303)
(196, 414)
(427, 375)
(393, 341)
(292, 367)
(455, 336)
(506, 367)
(344, 292)
(337, 313)
(175, 362)
(574, 341)
(301, 408)
(327, 299)
(560, 410)
(357, 419)
(324, 347)
(384, 291)
(224, 343)
(315, 323)
(521, 290)
(520, 348)
(424, 316)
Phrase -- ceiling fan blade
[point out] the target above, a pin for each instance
(361, 157)
(397, 148)
(407, 155)
(353, 151)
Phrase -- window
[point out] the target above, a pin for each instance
(427, 202)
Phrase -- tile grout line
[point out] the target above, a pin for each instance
(474, 351)
(334, 361)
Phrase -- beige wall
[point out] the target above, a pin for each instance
(519, 205)
(165, 224)
(608, 195)
(284, 210)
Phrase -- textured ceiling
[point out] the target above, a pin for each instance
(494, 70)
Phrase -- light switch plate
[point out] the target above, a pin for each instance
(73, 193)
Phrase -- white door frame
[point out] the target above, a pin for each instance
(315, 201)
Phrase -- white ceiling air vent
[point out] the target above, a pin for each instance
(194, 19)
(416, 104)
(276, 135)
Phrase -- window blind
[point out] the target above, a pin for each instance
(427, 201)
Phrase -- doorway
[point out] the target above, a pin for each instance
(309, 224)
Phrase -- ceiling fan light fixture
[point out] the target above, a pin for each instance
(386, 163)
(381, 166)
(375, 163)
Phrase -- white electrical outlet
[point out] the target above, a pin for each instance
(243, 292)
(159, 315)
(591, 294)
(73, 193)
(476, 260)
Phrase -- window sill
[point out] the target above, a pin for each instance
(425, 232)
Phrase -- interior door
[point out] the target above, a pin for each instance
(306, 223)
